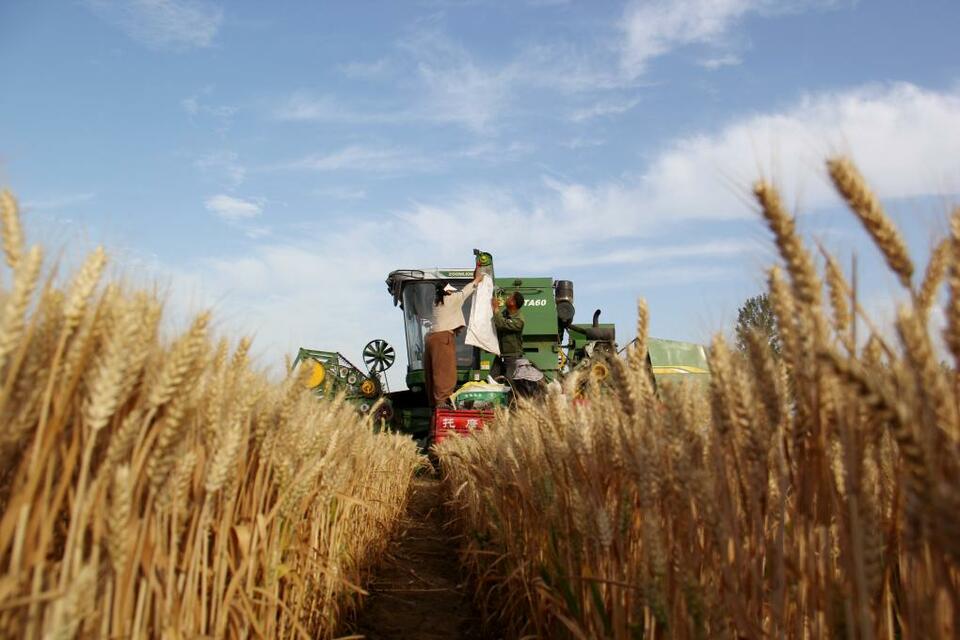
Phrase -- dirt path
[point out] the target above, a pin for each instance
(419, 592)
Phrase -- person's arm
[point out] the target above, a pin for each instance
(467, 291)
(507, 323)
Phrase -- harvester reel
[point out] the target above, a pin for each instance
(378, 355)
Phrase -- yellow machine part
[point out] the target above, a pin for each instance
(317, 374)
(600, 371)
(678, 368)
(368, 388)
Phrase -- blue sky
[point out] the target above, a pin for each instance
(276, 160)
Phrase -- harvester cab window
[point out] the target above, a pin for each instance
(418, 317)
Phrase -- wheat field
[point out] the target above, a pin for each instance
(811, 495)
(166, 488)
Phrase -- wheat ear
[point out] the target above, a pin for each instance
(806, 282)
(12, 230)
(931, 383)
(865, 205)
(785, 310)
(82, 288)
(838, 287)
(224, 457)
(15, 309)
(183, 357)
(951, 333)
(638, 354)
(118, 517)
(109, 377)
(933, 276)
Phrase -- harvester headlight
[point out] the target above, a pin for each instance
(317, 374)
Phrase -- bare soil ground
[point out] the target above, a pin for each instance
(419, 592)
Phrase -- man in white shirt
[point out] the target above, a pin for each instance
(440, 359)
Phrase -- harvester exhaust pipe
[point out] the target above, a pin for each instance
(595, 331)
(563, 294)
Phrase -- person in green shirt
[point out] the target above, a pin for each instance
(509, 325)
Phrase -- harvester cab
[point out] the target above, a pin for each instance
(548, 314)
(547, 317)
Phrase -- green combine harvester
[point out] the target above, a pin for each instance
(551, 341)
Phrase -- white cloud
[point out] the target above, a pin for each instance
(567, 68)
(581, 142)
(304, 106)
(401, 160)
(457, 89)
(905, 139)
(447, 84)
(718, 62)
(224, 164)
(194, 107)
(661, 253)
(233, 209)
(604, 108)
(371, 69)
(361, 158)
(492, 152)
(652, 28)
(56, 203)
(672, 276)
(340, 193)
(163, 24)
